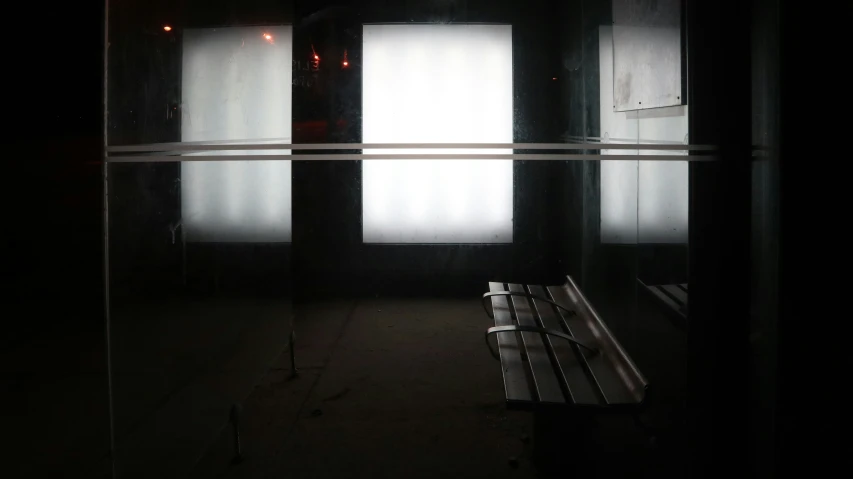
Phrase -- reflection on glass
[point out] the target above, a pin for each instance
(236, 86)
(643, 201)
(663, 185)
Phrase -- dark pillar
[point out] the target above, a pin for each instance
(718, 54)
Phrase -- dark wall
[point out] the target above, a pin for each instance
(51, 193)
(52, 340)
(720, 105)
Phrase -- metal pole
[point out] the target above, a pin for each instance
(183, 254)
(105, 173)
(235, 423)
(293, 371)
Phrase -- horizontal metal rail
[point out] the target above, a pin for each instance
(285, 144)
(534, 329)
(525, 295)
(403, 156)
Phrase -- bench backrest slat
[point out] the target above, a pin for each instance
(628, 385)
(539, 352)
(581, 380)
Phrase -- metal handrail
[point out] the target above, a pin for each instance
(533, 329)
(523, 294)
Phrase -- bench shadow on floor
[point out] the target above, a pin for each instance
(407, 388)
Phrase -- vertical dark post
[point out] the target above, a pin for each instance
(764, 402)
(106, 238)
(183, 255)
(293, 371)
(235, 424)
(557, 431)
(718, 56)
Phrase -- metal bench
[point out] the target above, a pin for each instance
(555, 350)
(672, 297)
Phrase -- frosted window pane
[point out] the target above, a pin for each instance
(236, 85)
(437, 84)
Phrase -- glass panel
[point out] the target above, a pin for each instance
(317, 214)
(193, 324)
(200, 256)
(651, 37)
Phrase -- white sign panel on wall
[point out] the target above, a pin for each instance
(646, 38)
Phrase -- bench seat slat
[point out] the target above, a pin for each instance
(664, 298)
(513, 369)
(677, 293)
(673, 297)
(544, 378)
(569, 356)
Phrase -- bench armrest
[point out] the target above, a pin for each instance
(533, 329)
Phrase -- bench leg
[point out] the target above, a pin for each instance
(293, 370)
(560, 439)
(235, 425)
(651, 438)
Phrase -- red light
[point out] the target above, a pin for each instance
(346, 63)
(316, 57)
(554, 78)
(167, 28)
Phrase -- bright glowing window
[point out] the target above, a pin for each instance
(437, 84)
(236, 86)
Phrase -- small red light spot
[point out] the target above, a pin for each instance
(167, 28)
(554, 78)
(346, 63)
(316, 57)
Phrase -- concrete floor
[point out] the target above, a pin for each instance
(407, 388)
(53, 398)
(177, 367)
(387, 388)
